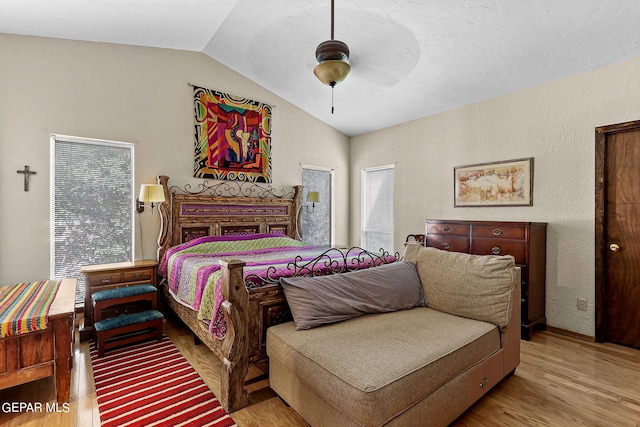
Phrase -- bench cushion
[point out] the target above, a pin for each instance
(374, 367)
(127, 319)
(123, 291)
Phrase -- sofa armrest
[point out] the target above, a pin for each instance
(510, 338)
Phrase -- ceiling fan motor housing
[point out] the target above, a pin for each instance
(332, 50)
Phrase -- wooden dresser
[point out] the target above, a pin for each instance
(525, 241)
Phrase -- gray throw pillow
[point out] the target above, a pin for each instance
(320, 300)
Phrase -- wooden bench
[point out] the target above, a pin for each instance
(102, 301)
(127, 329)
(115, 326)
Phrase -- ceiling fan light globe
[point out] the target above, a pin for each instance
(332, 71)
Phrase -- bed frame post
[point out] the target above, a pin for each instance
(164, 238)
(297, 205)
(235, 363)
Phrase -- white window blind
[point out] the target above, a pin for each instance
(377, 208)
(91, 205)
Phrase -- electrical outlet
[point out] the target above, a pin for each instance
(582, 304)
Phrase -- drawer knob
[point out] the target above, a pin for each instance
(495, 250)
(497, 232)
(447, 229)
(446, 246)
(614, 247)
(483, 382)
(106, 279)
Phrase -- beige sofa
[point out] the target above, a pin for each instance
(398, 365)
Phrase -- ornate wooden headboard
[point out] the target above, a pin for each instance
(223, 209)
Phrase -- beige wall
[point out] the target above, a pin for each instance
(133, 94)
(555, 124)
(141, 95)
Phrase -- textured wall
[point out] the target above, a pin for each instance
(555, 124)
(133, 94)
(140, 95)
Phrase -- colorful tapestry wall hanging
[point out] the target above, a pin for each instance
(232, 137)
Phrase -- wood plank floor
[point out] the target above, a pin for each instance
(561, 381)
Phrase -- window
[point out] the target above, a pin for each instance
(91, 205)
(377, 208)
(317, 224)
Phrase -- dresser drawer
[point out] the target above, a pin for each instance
(105, 278)
(446, 228)
(448, 243)
(501, 232)
(137, 276)
(493, 246)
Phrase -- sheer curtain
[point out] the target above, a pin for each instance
(317, 224)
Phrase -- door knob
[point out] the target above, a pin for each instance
(614, 247)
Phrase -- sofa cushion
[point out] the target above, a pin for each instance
(320, 300)
(473, 286)
(374, 367)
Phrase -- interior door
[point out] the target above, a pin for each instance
(618, 225)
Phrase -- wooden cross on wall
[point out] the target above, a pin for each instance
(27, 173)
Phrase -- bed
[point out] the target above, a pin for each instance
(212, 248)
(39, 354)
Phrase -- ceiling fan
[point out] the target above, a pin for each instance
(332, 56)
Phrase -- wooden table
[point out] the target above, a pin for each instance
(40, 354)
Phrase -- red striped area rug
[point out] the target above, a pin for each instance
(152, 384)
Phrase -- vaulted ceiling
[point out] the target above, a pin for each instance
(409, 58)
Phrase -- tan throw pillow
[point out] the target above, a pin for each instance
(472, 286)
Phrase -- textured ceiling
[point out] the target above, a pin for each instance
(409, 58)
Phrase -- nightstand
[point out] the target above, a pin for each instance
(107, 276)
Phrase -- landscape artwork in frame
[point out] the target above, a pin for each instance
(505, 183)
(232, 137)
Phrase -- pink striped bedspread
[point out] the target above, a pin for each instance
(193, 272)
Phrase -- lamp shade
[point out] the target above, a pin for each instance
(151, 193)
(313, 197)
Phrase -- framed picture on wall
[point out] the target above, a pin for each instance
(504, 183)
(232, 137)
